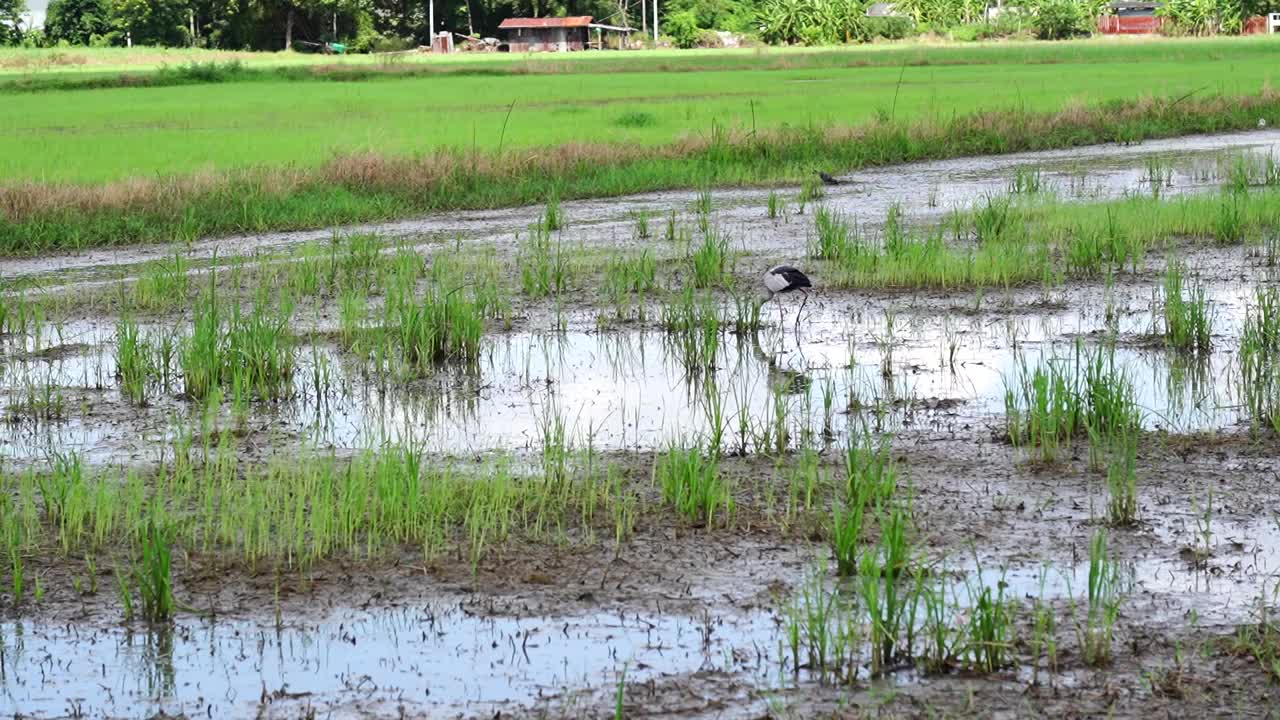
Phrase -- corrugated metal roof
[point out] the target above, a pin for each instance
(514, 23)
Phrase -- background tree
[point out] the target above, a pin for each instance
(11, 21)
(151, 22)
(77, 22)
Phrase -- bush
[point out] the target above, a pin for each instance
(682, 28)
(709, 39)
(890, 28)
(1060, 19)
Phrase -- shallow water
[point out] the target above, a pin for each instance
(452, 657)
(437, 658)
(635, 389)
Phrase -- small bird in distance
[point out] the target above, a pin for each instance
(827, 179)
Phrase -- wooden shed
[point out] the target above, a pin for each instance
(542, 34)
(1131, 18)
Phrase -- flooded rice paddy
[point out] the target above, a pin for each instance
(915, 491)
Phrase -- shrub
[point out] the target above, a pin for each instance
(890, 28)
(682, 27)
(1060, 19)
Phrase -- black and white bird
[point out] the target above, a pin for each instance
(827, 179)
(781, 279)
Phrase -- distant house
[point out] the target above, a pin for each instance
(1132, 18)
(882, 9)
(541, 34)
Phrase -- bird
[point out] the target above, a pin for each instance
(784, 279)
(827, 179)
(1262, 123)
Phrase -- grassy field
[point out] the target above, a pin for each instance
(109, 134)
(252, 148)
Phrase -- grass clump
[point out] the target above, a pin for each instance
(1104, 595)
(253, 352)
(1051, 404)
(544, 264)
(710, 260)
(1187, 318)
(691, 483)
(1259, 367)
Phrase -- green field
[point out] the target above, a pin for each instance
(108, 134)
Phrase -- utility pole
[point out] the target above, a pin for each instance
(431, 20)
(655, 22)
(644, 18)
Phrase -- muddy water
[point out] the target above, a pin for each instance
(937, 366)
(929, 369)
(924, 191)
(452, 657)
(437, 659)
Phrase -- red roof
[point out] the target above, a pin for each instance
(515, 23)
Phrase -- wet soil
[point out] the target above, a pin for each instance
(547, 628)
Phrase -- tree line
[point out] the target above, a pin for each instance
(374, 25)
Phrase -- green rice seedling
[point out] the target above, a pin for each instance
(202, 353)
(1239, 176)
(702, 204)
(1026, 181)
(710, 259)
(692, 324)
(633, 274)
(994, 221)
(154, 578)
(1104, 597)
(987, 643)
(1158, 176)
(819, 631)
(16, 575)
(870, 476)
(1046, 407)
(544, 264)
(691, 483)
(618, 697)
(37, 401)
(126, 594)
(640, 223)
(1187, 318)
(746, 316)
(669, 233)
(811, 190)
(1259, 368)
(887, 598)
(846, 535)
(1109, 396)
(1044, 639)
(713, 411)
(894, 234)
(836, 239)
(1122, 479)
(777, 205)
(941, 637)
(1043, 407)
(806, 480)
(260, 350)
(446, 325)
(552, 214)
(352, 310)
(1092, 250)
(162, 285)
(133, 361)
(1229, 222)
